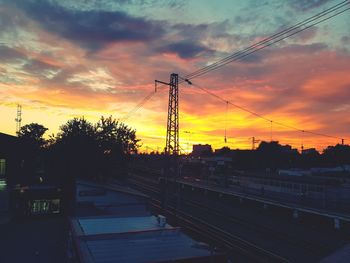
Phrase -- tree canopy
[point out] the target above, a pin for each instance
(80, 149)
(111, 133)
(97, 150)
(33, 134)
(338, 154)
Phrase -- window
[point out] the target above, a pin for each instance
(39, 207)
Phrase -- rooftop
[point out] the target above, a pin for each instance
(114, 225)
(136, 239)
(94, 199)
(117, 237)
(155, 246)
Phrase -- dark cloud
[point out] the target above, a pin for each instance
(252, 58)
(91, 29)
(295, 49)
(305, 5)
(338, 98)
(256, 66)
(9, 19)
(39, 68)
(60, 79)
(307, 35)
(185, 49)
(345, 40)
(190, 31)
(168, 3)
(8, 55)
(32, 66)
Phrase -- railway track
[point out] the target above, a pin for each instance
(258, 227)
(313, 249)
(286, 237)
(220, 236)
(214, 233)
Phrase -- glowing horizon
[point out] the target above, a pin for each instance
(101, 58)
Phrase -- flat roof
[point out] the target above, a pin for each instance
(113, 245)
(122, 237)
(114, 225)
(156, 246)
(95, 199)
(113, 187)
(85, 193)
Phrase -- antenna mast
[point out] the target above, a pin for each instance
(18, 119)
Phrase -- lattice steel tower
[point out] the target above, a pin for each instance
(18, 119)
(172, 131)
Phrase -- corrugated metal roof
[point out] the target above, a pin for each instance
(109, 225)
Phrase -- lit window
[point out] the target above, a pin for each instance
(45, 206)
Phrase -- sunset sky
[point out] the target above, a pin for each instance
(61, 59)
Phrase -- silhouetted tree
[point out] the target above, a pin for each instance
(33, 134)
(310, 158)
(337, 155)
(94, 151)
(116, 141)
(110, 133)
(77, 149)
(32, 142)
(274, 155)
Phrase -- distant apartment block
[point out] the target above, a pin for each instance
(201, 150)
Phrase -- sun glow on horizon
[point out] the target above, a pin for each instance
(61, 66)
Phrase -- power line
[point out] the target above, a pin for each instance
(297, 28)
(275, 38)
(138, 106)
(263, 117)
(148, 97)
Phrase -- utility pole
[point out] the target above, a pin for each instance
(172, 133)
(188, 140)
(18, 119)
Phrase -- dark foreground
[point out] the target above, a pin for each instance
(36, 240)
